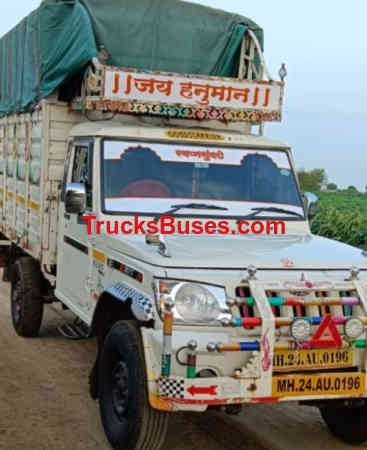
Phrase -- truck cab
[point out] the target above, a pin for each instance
(132, 174)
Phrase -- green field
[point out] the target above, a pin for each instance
(342, 215)
(345, 201)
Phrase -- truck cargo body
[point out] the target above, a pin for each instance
(33, 148)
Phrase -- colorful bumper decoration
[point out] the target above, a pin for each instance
(249, 383)
(171, 387)
(191, 359)
(185, 390)
(291, 301)
(238, 347)
(167, 337)
(251, 322)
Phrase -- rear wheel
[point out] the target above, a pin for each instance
(129, 421)
(26, 297)
(347, 423)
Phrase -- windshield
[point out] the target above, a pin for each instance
(148, 178)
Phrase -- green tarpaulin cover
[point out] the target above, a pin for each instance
(58, 39)
(47, 47)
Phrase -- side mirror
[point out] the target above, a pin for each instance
(311, 201)
(75, 198)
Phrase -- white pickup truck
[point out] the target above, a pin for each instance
(184, 322)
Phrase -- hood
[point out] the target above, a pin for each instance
(237, 252)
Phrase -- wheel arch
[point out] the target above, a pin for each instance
(121, 302)
(117, 303)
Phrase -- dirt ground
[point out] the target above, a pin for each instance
(45, 405)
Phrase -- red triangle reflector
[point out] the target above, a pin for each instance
(327, 335)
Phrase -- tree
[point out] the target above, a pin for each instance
(352, 188)
(332, 187)
(312, 180)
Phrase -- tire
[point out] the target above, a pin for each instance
(26, 297)
(128, 420)
(347, 423)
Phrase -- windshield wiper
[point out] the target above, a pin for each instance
(257, 211)
(202, 206)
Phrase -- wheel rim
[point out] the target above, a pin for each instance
(16, 298)
(120, 390)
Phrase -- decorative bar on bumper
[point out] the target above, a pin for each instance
(291, 301)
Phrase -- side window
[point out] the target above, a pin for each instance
(82, 171)
(80, 166)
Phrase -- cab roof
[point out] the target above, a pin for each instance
(171, 131)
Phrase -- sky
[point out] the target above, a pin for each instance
(324, 45)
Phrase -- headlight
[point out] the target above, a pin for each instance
(353, 328)
(301, 329)
(195, 303)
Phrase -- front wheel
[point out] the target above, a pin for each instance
(128, 420)
(347, 423)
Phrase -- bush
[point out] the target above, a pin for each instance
(345, 226)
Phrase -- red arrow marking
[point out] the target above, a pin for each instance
(198, 390)
(326, 335)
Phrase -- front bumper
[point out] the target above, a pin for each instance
(248, 376)
(226, 390)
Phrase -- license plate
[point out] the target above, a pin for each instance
(290, 360)
(348, 384)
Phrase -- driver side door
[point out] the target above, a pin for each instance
(73, 267)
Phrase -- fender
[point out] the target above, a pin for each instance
(141, 306)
